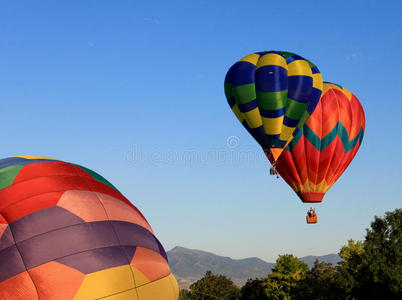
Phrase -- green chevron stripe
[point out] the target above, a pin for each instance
(321, 144)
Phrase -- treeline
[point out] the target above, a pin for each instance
(370, 269)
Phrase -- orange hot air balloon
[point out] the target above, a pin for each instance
(325, 146)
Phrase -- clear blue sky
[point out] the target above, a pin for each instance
(95, 82)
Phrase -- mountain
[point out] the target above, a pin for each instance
(189, 265)
(329, 258)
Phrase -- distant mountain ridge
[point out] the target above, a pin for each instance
(189, 265)
(329, 258)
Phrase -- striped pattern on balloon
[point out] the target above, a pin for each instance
(272, 94)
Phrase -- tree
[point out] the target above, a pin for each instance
(352, 248)
(282, 282)
(254, 290)
(280, 286)
(373, 268)
(212, 287)
(184, 295)
(288, 264)
(349, 269)
(381, 273)
(321, 282)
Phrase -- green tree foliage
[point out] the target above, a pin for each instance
(381, 273)
(184, 295)
(349, 268)
(212, 287)
(352, 248)
(373, 269)
(254, 290)
(280, 286)
(321, 282)
(282, 282)
(288, 264)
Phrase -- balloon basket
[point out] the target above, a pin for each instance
(311, 220)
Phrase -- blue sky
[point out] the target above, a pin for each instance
(134, 91)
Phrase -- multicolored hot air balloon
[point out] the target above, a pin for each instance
(273, 94)
(67, 233)
(322, 150)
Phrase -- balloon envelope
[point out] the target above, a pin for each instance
(325, 146)
(67, 233)
(272, 94)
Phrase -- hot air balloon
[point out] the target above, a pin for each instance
(272, 94)
(324, 147)
(67, 233)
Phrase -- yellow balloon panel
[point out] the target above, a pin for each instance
(162, 289)
(126, 295)
(106, 282)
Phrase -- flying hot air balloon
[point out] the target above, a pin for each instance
(67, 233)
(325, 146)
(273, 93)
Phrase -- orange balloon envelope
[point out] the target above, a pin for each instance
(325, 146)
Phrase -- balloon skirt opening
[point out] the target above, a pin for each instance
(311, 197)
